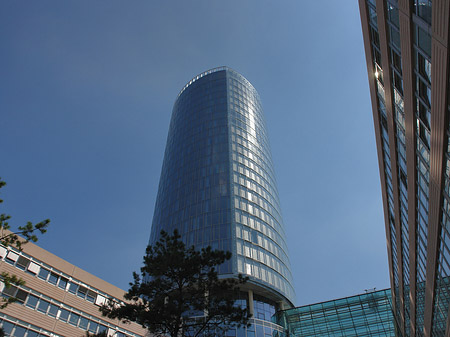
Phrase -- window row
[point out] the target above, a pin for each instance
(423, 151)
(239, 159)
(196, 155)
(256, 210)
(18, 328)
(250, 131)
(250, 234)
(251, 100)
(400, 118)
(57, 310)
(253, 134)
(244, 193)
(422, 8)
(372, 16)
(420, 259)
(242, 124)
(238, 86)
(260, 171)
(53, 276)
(270, 195)
(394, 36)
(220, 240)
(214, 103)
(196, 216)
(257, 145)
(444, 247)
(258, 254)
(380, 91)
(252, 211)
(375, 39)
(423, 91)
(240, 150)
(254, 197)
(393, 250)
(422, 40)
(247, 112)
(251, 196)
(261, 155)
(206, 119)
(265, 274)
(261, 140)
(243, 95)
(241, 85)
(444, 250)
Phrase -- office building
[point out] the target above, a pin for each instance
(368, 314)
(58, 298)
(218, 189)
(406, 46)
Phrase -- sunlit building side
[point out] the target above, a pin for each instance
(406, 46)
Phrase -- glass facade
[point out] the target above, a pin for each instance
(367, 314)
(218, 186)
(194, 192)
(261, 249)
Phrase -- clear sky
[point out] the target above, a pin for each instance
(86, 93)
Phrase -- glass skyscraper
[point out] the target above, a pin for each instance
(218, 189)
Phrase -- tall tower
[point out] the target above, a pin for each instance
(218, 188)
(406, 44)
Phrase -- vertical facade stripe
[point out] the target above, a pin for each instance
(376, 120)
(385, 56)
(410, 126)
(439, 89)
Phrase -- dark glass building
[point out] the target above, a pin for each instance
(406, 45)
(218, 189)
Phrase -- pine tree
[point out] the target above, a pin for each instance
(178, 292)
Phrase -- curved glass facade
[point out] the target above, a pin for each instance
(217, 183)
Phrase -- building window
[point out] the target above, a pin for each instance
(43, 274)
(21, 296)
(32, 301)
(43, 306)
(22, 262)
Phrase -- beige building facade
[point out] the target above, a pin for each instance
(58, 298)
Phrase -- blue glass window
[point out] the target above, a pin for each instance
(43, 306)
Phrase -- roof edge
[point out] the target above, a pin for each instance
(207, 72)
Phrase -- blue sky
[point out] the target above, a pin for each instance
(86, 93)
